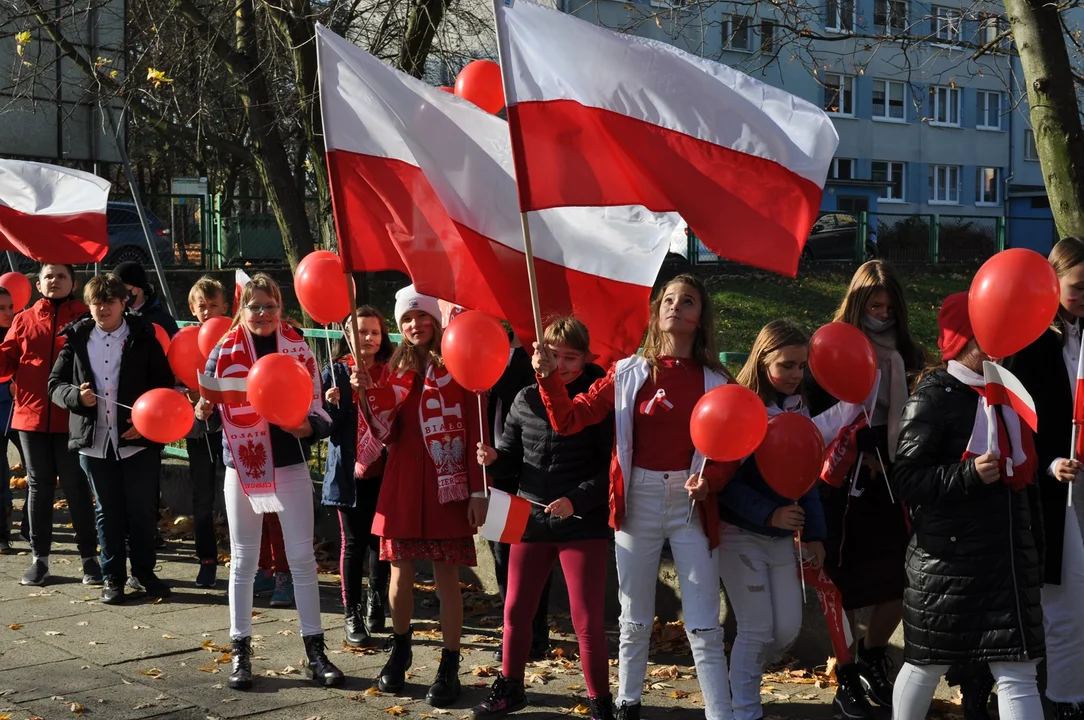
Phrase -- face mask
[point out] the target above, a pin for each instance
(130, 300)
(874, 325)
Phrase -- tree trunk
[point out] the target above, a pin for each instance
(1055, 114)
(425, 17)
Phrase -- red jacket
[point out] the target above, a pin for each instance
(408, 508)
(29, 351)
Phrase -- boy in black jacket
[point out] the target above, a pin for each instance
(107, 363)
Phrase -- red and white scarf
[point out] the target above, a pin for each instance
(1018, 468)
(248, 434)
(369, 448)
(441, 415)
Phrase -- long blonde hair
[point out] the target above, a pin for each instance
(704, 351)
(1066, 255)
(408, 356)
(771, 339)
(871, 278)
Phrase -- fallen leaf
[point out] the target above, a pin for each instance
(153, 672)
(484, 671)
(144, 706)
(224, 658)
(581, 710)
(396, 710)
(374, 691)
(15, 626)
(53, 632)
(664, 672)
(77, 708)
(574, 688)
(155, 601)
(679, 695)
(5, 716)
(167, 636)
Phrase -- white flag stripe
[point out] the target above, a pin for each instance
(997, 374)
(39, 189)
(496, 515)
(227, 384)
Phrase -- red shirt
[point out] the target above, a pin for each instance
(661, 440)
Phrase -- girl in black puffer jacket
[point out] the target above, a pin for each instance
(567, 479)
(974, 560)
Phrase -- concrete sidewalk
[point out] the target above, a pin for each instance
(63, 655)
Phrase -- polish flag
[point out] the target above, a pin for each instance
(223, 391)
(1003, 388)
(240, 279)
(431, 176)
(506, 518)
(51, 213)
(603, 119)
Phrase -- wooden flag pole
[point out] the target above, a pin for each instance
(532, 278)
(355, 340)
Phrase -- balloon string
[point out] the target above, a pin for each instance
(692, 501)
(801, 564)
(482, 433)
(880, 460)
(126, 407)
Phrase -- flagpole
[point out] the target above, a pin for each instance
(355, 341)
(532, 279)
(1076, 420)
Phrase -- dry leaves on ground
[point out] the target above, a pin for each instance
(679, 694)
(14, 626)
(669, 638)
(61, 504)
(77, 709)
(373, 691)
(208, 668)
(53, 633)
(581, 710)
(209, 646)
(664, 672)
(224, 658)
(538, 678)
(396, 710)
(152, 672)
(483, 671)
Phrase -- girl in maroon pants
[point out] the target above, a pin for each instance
(567, 475)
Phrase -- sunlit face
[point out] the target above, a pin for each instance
(55, 282)
(679, 312)
(1072, 291)
(418, 327)
(880, 307)
(206, 308)
(108, 315)
(370, 333)
(786, 368)
(570, 362)
(262, 313)
(7, 311)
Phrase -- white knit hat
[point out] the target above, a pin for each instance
(409, 299)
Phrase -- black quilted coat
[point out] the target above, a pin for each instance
(974, 563)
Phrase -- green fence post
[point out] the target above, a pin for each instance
(216, 233)
(860, 236)
(690, 246)
(935, 238)
(1000, 233)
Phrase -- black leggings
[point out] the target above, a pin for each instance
(359, 545)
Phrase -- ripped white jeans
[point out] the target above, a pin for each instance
(760, 574)
(656, 508)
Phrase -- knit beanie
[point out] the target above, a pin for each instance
(409, 299)
(132, 273)
(953, 326)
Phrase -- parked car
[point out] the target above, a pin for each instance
(834, 238)
(126, 239)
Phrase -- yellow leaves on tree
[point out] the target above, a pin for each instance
(157, 77)
(22, 39)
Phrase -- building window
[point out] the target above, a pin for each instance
(839, 15)
(945, 184)
(882, 171)
(841, 169)
(947, 23)
(890, 16)
(736, 33)
(989, 115)
(888, 100)
(945, 106)
(993, 32)
(1030, 152)
(767, 36)
(987, 186)
(839, 94)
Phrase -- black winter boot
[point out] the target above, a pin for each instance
(241, 653)
(602, 708)
(322, 671)
(873, 668)
(356, 633)
(850, 701)
(976, 684)
(376, 593)
(445, 689)
(628, 712)
(506, 696)
(393, 675)
(1069, 711)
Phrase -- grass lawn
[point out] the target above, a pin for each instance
(744, 303)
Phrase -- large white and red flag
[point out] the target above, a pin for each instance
(240, 279)
(1004, 388)
(51, 213)
(429, 176)
(603, 119)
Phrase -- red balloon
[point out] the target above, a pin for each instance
(210, 332)
(162, 415)
(475, 349)
(162, 336)
(1013, 299)
(480, 82)
(185, 357)
(321, 286)
(728, 423)
(280, 390)
(449, 90)
(791, 456)
(19, 287)
(842, 360)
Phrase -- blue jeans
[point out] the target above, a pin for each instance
(126, 509)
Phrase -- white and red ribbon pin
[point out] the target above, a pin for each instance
(648, 407)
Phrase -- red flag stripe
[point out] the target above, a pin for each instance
(997, 394)
(77, 238)
(515, 524)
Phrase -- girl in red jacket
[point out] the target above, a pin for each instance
(431, 498)
(653, 479)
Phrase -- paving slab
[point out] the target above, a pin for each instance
(117, 702)
(47, 679)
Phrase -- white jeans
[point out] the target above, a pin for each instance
(761, 578)
(1063, 620)
(294, 488)
(1017, 691)
(657, 506)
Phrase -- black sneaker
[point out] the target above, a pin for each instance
(36, 575)
(133, 585)
(112, 592)
(873, 668)
(207, 575)
(154, 587)
(506, 696)
(92, 572)
(850, 701)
